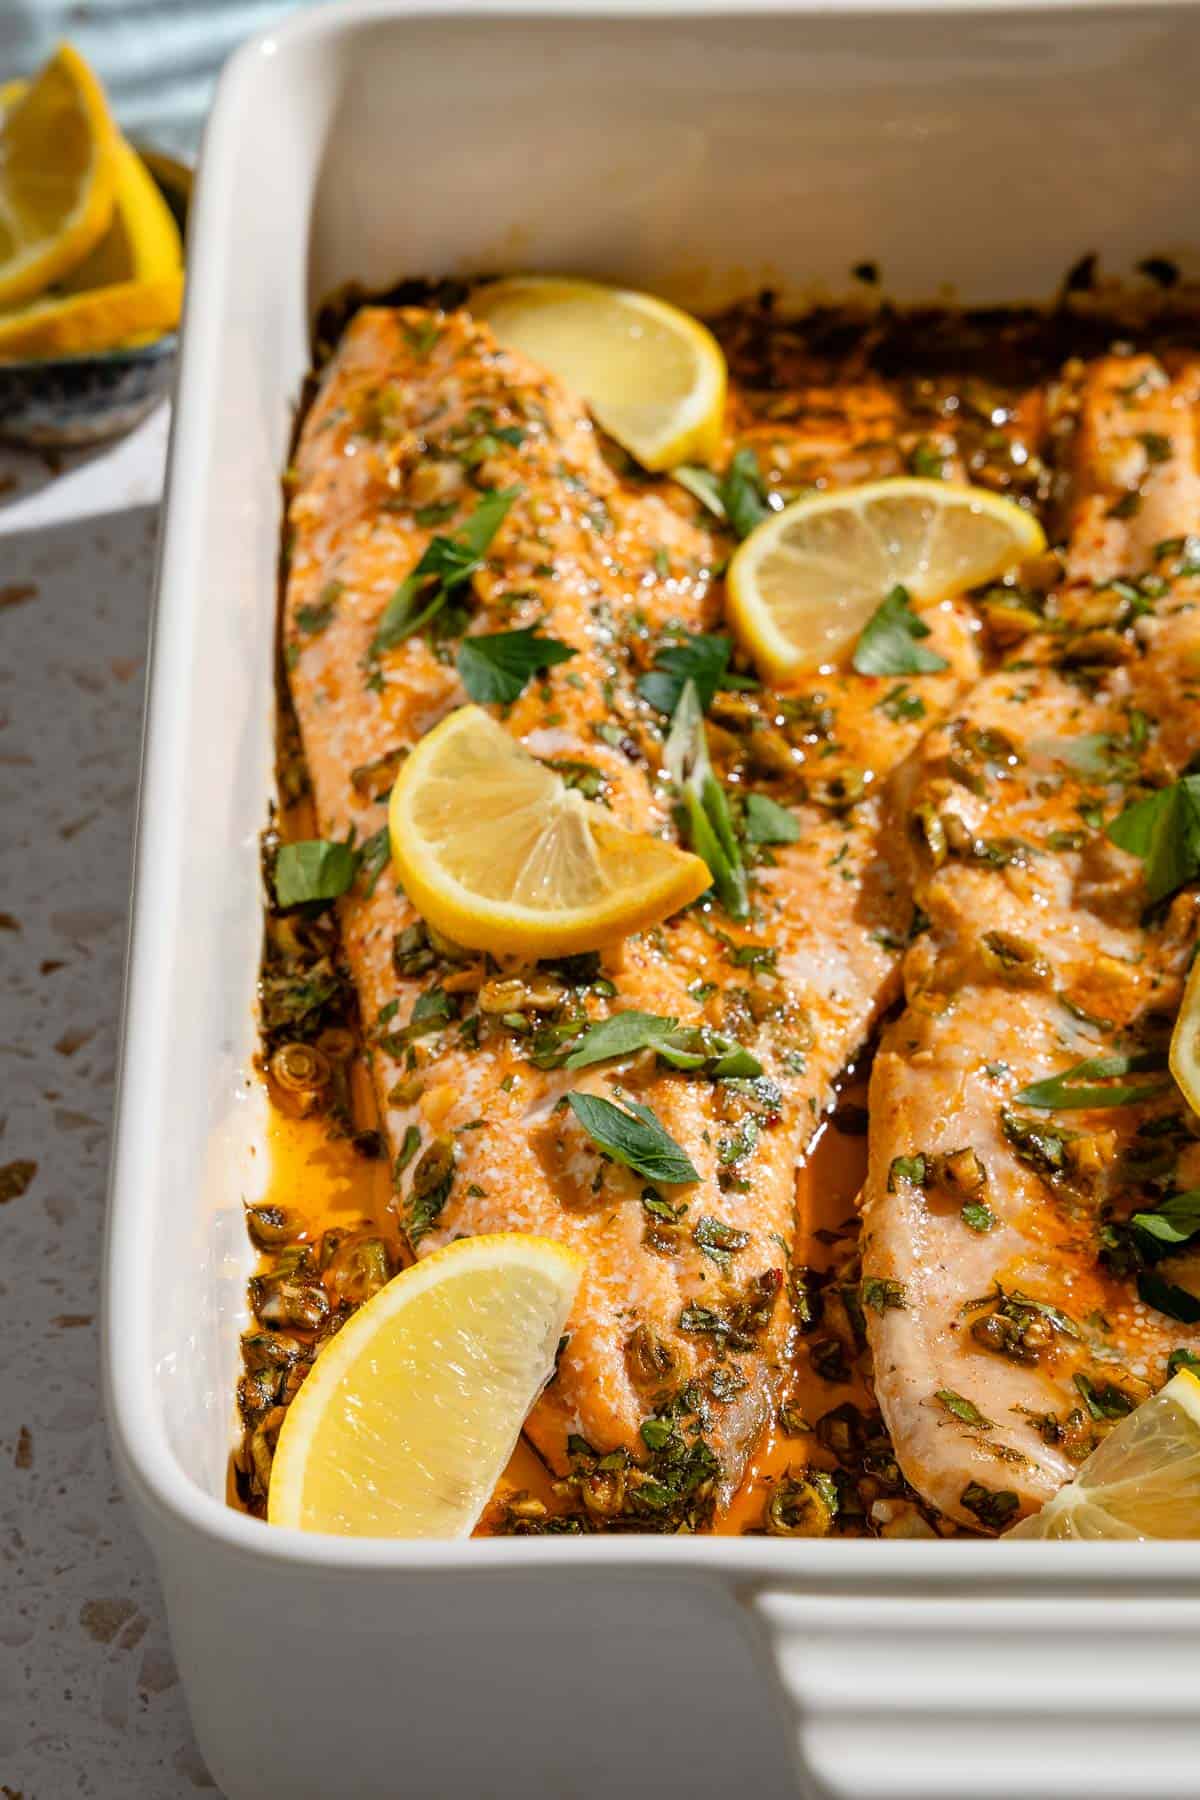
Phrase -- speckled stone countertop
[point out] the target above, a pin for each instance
(90, 1703)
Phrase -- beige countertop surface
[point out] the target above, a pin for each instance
(90, 1702)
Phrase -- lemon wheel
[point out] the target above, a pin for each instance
(410, 1413)
(805, 582)
(654, 376)
(496, 852)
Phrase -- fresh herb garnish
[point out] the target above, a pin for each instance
(706, 810)
(1167, 1298)
(682, 1046)
(1175, 1221)
(979, 1217)
(766, 822)
(738, 496)
(889, 642)
(495, 667)
(882, 1295)
(993, 1507)
(1073, 1088)
(1164, 830)
(907, 1168)
(313, 619)
(447, 564)
(743, 493)
(1103, 1399)
(699, 658)
(373, 858)
(635, 1138)
(901, 706)
(964, 1409)
(314, 869)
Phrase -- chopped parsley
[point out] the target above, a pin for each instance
(314, 870)
(1164, 831)
(447, 564)
(889, 642)
(495, 667)
(739, 496)
(698, 658)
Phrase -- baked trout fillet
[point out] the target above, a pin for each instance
(419, 420)
(1023, 1127)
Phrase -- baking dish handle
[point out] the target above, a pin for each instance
(930, 1698)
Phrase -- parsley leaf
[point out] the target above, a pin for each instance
(743, 493)
(1164, 830)
(1072, 1089)
(706, 810)
(447, 563)
(495, 667)
(314, 869)
(738, 496)
(1175, 1221)
(635, 1138)
(697, 658)
(767, 822)
(888, 644)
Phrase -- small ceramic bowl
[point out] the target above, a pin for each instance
(67, 402)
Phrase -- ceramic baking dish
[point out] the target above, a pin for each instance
(702, 151)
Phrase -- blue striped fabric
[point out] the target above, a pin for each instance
(157, 58)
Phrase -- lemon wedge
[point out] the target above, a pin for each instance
(1185, 1042)
(1143, 1481)
(97, 319)
(654, 376)
(142, 242)
(58, 172)
(409, 1415)
(804, 583)
(496, 852)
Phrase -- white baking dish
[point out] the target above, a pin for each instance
(702, 151)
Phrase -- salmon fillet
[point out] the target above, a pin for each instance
(1005, 1315)
(682, 1301)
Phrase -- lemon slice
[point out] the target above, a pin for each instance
(1185, 1041)
(58, 170)
(410, 1413)
(1143, 1481)
(98, 319)
(805, 582)
(653, 375)
(496, 852)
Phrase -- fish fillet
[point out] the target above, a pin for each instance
(417, 414)
(1002, 1305)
